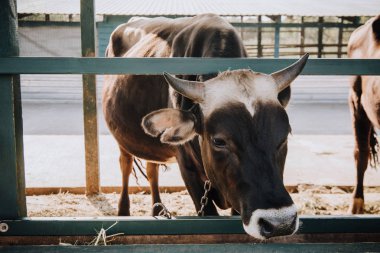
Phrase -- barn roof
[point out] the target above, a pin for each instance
(221, 7)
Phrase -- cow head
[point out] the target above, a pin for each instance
(243, 129)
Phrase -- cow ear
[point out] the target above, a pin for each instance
(284, 96)
(175, 126)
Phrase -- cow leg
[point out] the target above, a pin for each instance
(126, 163)
(152, 173)
(362, 129)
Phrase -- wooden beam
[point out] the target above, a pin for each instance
(105, 189)
(12, 175)
(31, 191)
(88, 38)
(349, 239)
(207, 247)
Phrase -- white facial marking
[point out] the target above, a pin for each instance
(253, 227)
(235, 88)
(265, 88)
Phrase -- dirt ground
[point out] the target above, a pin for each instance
(309, 199)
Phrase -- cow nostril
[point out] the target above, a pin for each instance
(266, 228)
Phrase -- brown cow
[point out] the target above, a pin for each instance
(231, 127)
(364, 102)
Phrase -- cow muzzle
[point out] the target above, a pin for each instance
(267, 223)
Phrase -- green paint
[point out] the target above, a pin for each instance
(25, 23)
(67, 65)
(12, 179)
(223, 248)
(277, 37)
(180, 225)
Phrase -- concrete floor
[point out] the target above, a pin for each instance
(67, 119)
(320, 149)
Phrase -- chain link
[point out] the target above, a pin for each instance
(204, 199)
(164, 212)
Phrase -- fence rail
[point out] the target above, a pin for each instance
(181, 225)
(70, 65)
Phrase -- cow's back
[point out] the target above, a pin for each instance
(364, 42)
(128, 98)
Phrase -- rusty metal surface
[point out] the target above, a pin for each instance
(188, 239)
(88, 32)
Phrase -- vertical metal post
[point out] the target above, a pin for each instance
(277, 38)
(88, 30)
(242, 28)
(340, 38)
(356, 21)
(320, 37)
(259, 33)
(302, 38)
(12, 175)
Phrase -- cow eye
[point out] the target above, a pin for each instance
(218, 142)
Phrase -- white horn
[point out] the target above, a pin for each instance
(285, 76)
(190, 89)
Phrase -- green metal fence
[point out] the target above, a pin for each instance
(12, 189)
(23, 226)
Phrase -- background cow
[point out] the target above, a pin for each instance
(364, 102)
(232, 126)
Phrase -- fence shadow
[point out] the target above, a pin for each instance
(103, 204)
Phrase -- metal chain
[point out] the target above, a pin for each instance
(204, 199)
(164, 212)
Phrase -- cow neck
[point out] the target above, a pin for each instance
(195, 110)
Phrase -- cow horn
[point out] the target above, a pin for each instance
(190, 89)
(285, 76)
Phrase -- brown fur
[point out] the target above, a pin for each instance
(127, 98)
(364, 102)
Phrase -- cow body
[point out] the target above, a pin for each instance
(230, 127)
(128, 98)
(364, 102)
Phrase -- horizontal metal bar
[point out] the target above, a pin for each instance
(295, 25)
(72, 65)
(24, 23)
(179, 225)
(231, 247)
